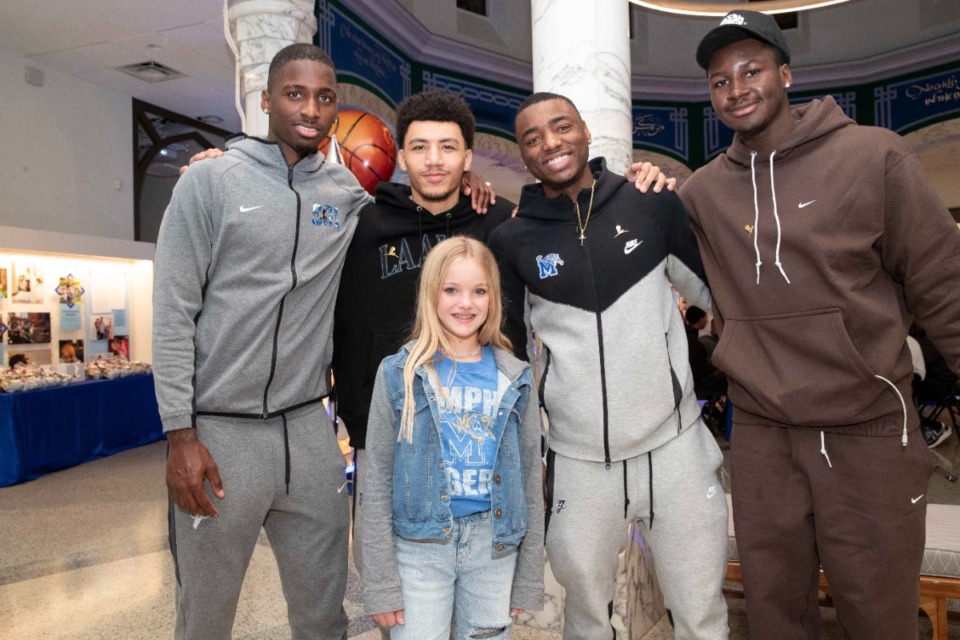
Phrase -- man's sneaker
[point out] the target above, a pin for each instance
(935, 433)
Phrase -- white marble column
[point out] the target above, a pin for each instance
(260, 29)
(582, 50)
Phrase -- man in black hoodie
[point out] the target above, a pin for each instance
(377, 298)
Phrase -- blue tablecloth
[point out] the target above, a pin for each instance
(49, 429)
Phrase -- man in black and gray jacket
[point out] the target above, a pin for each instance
(378, 293)
(587, 266)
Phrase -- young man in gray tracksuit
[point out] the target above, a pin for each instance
(588, 263)
(247, 268)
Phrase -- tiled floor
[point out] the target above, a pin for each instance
(83, 556)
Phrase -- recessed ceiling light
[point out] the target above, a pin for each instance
(154, 47)
(210, 119)
(710, 8)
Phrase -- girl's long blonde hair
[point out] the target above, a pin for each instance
(428, 333)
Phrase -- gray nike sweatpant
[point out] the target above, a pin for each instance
(587, 530)
(308, 528)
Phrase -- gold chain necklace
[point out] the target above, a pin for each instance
(582, 225)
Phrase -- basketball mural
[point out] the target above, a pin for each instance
(366, 146)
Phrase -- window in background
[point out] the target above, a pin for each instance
(473, 6)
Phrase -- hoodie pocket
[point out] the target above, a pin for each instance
(799, 368)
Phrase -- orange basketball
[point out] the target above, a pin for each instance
(366, 146)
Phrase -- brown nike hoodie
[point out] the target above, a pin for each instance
(817, 255)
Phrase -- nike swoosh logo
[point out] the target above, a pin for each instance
(916, 500)
(244, 209)
(631, 245)
(806, 204)
(340, 490)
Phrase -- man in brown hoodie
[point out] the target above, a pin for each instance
(820, 238)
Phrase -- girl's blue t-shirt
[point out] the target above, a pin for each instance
(467, 407)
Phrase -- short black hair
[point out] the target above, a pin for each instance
(298, 51)
(436, 106)
(695, 314)
(542, 96)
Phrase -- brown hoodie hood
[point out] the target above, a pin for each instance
(814, 254)
(814, 120)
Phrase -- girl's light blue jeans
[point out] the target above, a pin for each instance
(458, 575)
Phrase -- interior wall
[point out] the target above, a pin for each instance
(65, 153)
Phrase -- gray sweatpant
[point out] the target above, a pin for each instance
(308, 528)
(359, 466)
(587, 530)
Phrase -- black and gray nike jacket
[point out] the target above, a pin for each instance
(614, 374)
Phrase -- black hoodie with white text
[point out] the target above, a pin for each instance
(376, 303)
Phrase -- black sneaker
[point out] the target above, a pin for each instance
(935, 433)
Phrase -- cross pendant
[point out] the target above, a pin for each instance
(582, 238)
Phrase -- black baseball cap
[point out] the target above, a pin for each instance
(740, 25)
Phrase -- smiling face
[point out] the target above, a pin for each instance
(435, 155)
(748, 90)
(68, 353)
(302, 103)
(463, 303)
(555, 145)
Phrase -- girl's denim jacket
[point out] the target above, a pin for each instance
(405, 491)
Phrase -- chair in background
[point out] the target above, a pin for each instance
(933, 408)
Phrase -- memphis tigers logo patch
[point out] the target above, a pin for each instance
(548, 265)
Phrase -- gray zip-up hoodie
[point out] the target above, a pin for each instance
(246, 273)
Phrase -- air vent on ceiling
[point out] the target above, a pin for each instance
(150, 71)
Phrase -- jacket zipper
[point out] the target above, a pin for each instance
(293, 285)
(603, 370)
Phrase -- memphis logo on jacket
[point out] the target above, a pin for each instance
(548, 265)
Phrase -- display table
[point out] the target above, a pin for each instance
(49, 429)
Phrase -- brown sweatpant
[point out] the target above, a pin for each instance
(861, 515)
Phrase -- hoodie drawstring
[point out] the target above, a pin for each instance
(756, 211)
(286, 453)
(650, 466)
(773, 194)
(903, 437)
(823, 449)
(756, 215)
(626, 500)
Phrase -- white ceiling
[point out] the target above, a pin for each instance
(88, 39)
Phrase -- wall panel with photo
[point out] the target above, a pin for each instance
(63, 309)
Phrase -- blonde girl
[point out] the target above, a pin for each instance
(453, 504)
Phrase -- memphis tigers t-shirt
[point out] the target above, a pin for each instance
(468, 407)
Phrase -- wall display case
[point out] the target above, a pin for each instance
(66, 298)
(76, 311)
